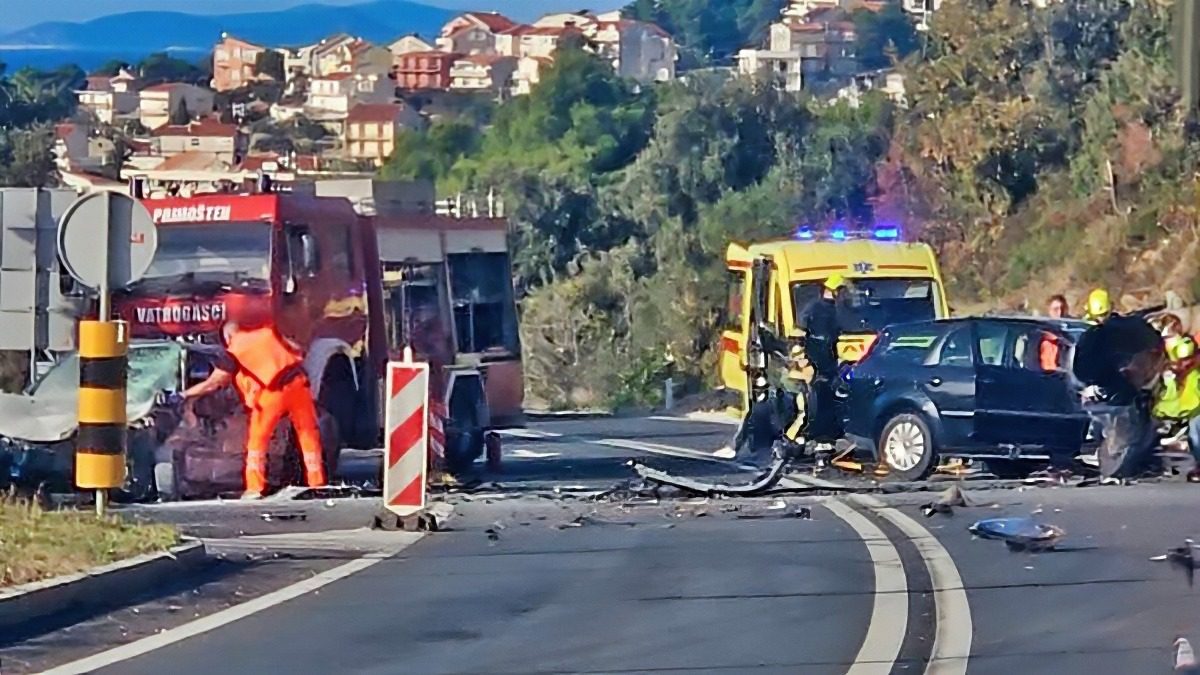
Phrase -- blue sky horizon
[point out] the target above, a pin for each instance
(24, 13)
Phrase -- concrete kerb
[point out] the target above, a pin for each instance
(98, 587)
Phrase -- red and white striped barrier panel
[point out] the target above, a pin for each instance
(437, 432)
(406, 441)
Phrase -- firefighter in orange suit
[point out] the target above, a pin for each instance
(268, 373)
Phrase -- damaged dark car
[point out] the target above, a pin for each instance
(1010, 391)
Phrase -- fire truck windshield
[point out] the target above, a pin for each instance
(229, 252)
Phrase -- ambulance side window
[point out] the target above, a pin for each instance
(735, 297)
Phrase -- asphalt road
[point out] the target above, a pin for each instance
(534, 579)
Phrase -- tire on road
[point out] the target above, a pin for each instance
(913, 454)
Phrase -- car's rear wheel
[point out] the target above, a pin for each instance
(906, 445)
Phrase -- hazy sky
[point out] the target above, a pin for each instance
(20, 13)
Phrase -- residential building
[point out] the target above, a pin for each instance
(71, 147)
(922, 10)
(342, 53)
(109, 97)
(297, 61)
(580, 19)
(813, 48)
(157, 103)
(638, 50)
(337, 93)
(206, 135)
(407, 45)
(483, 72)
(528, 73)
(541, 42)
(425, 70)
(234, 63)
(371, 129)
(473, 33)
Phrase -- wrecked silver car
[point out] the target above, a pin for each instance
(173, 452)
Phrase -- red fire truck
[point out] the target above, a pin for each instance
(354, 291)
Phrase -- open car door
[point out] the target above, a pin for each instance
(734, 334)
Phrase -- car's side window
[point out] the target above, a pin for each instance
(992, 339)
(956, 348)
(1037, 350)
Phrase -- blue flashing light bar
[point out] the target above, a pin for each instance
(839, 232)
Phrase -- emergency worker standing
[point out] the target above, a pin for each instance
(268, 373)
(1179, 395)
(1099, 306)
(821, 335)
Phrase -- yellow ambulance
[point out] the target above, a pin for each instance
(888, 281)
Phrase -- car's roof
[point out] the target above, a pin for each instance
(1062, 324)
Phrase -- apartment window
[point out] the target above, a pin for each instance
(221, 54)
(424, 63)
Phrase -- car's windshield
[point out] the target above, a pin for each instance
(201, 251)
(152, 368)
(867, 305)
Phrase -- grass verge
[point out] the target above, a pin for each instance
(38, 544)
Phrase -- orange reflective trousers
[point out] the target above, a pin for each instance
(293, 399)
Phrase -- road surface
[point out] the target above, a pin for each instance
(535, 578)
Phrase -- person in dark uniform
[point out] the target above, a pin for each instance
(821, 334)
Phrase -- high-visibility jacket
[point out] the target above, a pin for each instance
(263, 357)
(1179, 397)
(1048, 353)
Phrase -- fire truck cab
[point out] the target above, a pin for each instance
(353, 291)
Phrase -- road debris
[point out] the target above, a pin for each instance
(492, 534)
(946, 501)
(268, 517)
(1183, 558)
(1019, 533)
(1185, 657)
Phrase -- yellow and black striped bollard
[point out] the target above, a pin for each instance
(100, 442)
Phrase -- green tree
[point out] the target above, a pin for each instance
(881, 34)
(162, 67)
(180, 115)
(27, 157)
(269, 63)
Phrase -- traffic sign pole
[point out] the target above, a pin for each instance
(130, 242)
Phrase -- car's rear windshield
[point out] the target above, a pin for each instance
(868, 305)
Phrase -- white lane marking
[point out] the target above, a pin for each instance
(670, 451)
(889, 613)
(225, 616)
(704, 418)
(524, 453)
(528, 434)
(953, 630)
(952, 637)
